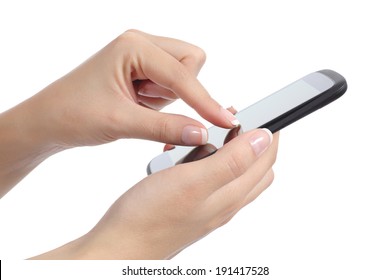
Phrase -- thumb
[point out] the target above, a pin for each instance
(166, 128)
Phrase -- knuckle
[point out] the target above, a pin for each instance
(130, 36)
(196, 57)
(132, 30)
(271, 176)
(199, 56)
(236, 165)
(221, 219)
(161, 128)
(224, 222)
(268, 179)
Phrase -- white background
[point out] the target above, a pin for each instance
(327, 213)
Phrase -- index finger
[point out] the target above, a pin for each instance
(187, 54)
(155, 64)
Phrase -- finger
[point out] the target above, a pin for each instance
(150, 89)
(155, 64)
(228, 210)
(200, 180)
(232, 110)
(154, 103)
(189, 55)
(232, 134)
(234, 194)
(232, 160)
(259, 188)
(166, 128)
(255, 174)
(168, 147)
(177, 79)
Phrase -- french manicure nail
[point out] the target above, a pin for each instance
(230, 117)
(193, 135)
(261, 140)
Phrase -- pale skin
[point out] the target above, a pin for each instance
(116, 94)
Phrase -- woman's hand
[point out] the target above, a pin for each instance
(171, 209)
(117, 94)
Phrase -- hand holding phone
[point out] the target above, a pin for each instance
(274, 112)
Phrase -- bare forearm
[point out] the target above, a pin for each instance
(22, 144)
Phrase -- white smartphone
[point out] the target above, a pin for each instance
(274, 112)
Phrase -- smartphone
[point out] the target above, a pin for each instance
(274, 112)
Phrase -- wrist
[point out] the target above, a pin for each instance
(24, 144)
(89, 248)
(108, 247)
(74, 250)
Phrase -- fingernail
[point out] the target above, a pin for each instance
(193, 135)
(232, 110)
(230, 117)
(144, 93)
(261, 140)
